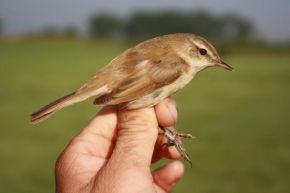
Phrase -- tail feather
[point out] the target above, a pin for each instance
(46, 111)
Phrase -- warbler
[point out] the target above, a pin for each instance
(144, 75)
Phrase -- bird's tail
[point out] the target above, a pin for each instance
(46, 111)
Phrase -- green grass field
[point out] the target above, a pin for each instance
(241, 119)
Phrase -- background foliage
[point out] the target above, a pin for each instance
(149, 24)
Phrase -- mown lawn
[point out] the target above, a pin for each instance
(241, 118)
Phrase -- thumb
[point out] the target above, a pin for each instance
(137, 134)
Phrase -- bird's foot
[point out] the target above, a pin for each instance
(175, 139)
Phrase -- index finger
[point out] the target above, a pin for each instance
(166, 113)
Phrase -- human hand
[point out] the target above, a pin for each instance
(113, 153)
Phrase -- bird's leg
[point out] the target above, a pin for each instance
(168, 144)
(174, 138)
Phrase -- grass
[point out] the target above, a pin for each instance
(241, 118)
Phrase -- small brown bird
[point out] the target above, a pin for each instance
(144, 75)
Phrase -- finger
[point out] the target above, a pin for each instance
(104, 123)
(166, 177)
(163, 151)
(166, 112)
(89, 143)
(97, 138)
(137, 134)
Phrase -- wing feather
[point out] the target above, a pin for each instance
(145, 79)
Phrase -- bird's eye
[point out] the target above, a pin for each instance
(202, 51)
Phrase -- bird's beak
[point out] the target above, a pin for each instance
(224, 65)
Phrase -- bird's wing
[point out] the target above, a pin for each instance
(147, 76)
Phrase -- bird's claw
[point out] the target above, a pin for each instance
(174, 138)
(185, 136)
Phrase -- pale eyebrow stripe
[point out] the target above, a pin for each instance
(208, 47)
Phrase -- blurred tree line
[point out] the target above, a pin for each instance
(149, 24)
(145, 24)
(68, 31)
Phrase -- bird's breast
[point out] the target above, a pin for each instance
(183, 80)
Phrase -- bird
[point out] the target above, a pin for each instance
(144, 75)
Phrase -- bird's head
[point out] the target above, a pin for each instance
(203, 54)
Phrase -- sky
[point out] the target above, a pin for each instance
(271, 17)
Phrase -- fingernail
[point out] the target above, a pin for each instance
(172, 107)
